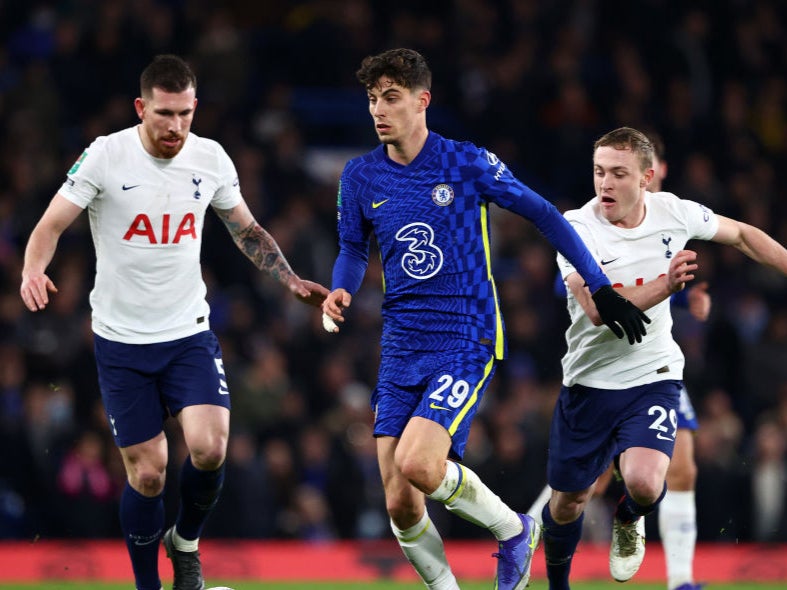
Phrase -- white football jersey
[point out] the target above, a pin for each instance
(146, 218)
(595, 356)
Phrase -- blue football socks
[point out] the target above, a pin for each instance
(199, 492)
(560, 543)
(142, 522)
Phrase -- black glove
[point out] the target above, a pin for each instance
(618, 312)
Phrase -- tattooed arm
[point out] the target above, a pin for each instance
(256, 243)
(260, 247)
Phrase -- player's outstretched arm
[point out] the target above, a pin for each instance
(260, 247)
(753, 242)
(40, 250)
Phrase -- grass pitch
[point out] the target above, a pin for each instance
(381, 585)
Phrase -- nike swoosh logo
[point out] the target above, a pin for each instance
(605, 262)
(142, 541)
(434, 406)
(128, 188)
(662, 437)
(532, 542)
(375, 205)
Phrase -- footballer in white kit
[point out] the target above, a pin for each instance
(146, 219)
(621, 403)
(146, 190)
(594, 361)
(631, 256)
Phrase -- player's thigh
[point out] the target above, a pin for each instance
(644, 470)
(422, 452)
(206, 431)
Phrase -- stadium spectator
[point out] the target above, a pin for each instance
(768, 476)
(88, 489)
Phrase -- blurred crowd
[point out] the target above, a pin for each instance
(535, 82)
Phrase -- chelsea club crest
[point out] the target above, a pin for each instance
(443, 195)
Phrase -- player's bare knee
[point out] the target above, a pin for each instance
(147, 481)
(645, 491)
(403, 513)
(208, 459)
(567, 510)
(420, 473)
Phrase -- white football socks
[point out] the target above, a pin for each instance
(463, 493)
(678, 530)
(182, 544)
(538, 505)
(423, 547)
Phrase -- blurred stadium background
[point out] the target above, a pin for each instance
(535, 82)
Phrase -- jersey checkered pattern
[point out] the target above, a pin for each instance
(430, 220)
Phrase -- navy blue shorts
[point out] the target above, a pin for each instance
(142, 384)
(445, 387)
(591, 426)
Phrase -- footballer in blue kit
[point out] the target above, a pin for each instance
(431, 222)
(426, 200)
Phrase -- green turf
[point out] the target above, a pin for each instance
(382, 585)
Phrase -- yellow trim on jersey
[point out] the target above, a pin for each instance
(472, 400)
(499, 344)
(382, 274)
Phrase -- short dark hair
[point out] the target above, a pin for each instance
(168, 72)
(659, 149)
(405, 67)
(629, 138)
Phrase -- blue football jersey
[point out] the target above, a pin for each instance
(431, 222)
